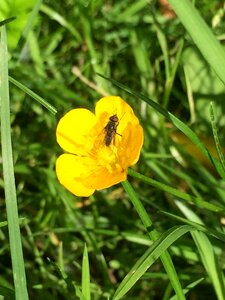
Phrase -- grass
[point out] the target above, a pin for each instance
(158, 235)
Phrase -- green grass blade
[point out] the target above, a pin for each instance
(216, 138)
(164, 47)
(32, 18)
(6, 292)
(71, 285)
(141, 56)
(175, 192)
(86, 289)
(176, 122)
(9, 180)
(35, 54)
(61, 20)
(189, 287)
(201, 35)
(207, 253)
(7, 21)
(195, 139)
(149, 257)
(131, 10)
(217, 234)
(172, 74)
(3, 224)
(39, 99)
(210, 262)
(153, 234)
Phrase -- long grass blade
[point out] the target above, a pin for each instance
(32, 17)
(36, 97)
(86, 289)
(9, 180)
(215, 233)
(149, 257)
(215, 134)
(154, 235)
(201, 35)
(210, 262)
(207, 253)
(173, 191)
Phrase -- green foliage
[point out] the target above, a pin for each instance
(131, 240)
(19, 9)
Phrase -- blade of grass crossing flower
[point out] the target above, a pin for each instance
(153, 234)
(149, 257)
(215, 134)
(201, 35)
(9, 180)
(26, 90)
(175, 192)
(176, 122)
(86, 289)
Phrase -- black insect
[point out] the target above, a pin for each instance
(110, 129)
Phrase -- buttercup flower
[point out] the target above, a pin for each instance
(100, 147)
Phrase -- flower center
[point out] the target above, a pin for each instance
(107, 157)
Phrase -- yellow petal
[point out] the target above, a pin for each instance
(112, 105)
(102, 178)
(76, 130)
(71, 169)
(131, 144)
(129, 137)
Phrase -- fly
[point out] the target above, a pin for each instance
(110, 129)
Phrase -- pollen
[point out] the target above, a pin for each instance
(107, 156)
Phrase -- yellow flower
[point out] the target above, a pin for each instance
(100, 147)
